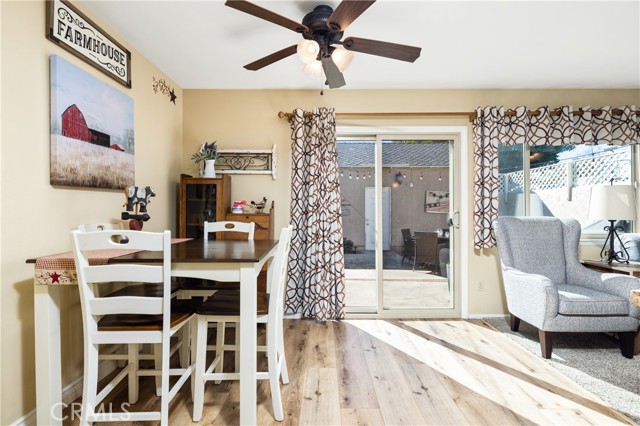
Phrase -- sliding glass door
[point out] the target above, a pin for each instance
(396, 209)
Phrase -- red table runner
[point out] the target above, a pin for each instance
(60, 269)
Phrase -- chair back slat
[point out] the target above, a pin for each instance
(126, 305)
(131, 273)
(109, 240)
(230, 226)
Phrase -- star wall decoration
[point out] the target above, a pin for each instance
(161, 85)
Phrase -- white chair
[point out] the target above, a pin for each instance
(130, 320)
(224, 307)
(134, 289)
(192, 287)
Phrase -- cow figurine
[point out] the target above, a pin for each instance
(138, 196)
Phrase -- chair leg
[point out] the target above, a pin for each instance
(514, 322)
(546, 343)
(626, 343)
(157, 356)
(237, 352)
(133, 352)
(274, 377)
(184, 350)
(282, 359)
(164, 398)
(90, 383)
(220, 328)
(197, 377)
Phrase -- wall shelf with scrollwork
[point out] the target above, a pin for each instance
(247, 161)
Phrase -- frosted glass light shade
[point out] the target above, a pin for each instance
(308, 51)
(313, 69)
(612, 202)
(342, 58)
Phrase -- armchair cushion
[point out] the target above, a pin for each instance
(577, 300)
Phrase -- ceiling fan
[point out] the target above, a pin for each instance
(321, 29)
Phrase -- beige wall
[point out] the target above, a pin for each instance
(248, 119)
(36, 217)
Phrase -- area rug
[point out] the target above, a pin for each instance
(592, 360)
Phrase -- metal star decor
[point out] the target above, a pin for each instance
(162, 86)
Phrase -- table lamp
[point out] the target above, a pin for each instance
(612, 203)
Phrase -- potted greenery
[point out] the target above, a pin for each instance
(205, 158)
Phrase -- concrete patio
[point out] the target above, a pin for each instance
(403, 287)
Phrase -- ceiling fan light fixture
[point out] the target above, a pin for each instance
(313, 69)
(308, 51)
(342, 58)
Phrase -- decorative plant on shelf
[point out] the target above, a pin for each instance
(207, 152)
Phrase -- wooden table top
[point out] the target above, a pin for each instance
(205, 251)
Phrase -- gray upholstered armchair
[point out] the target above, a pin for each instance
(547, 286)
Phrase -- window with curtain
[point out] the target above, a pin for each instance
(557, 180)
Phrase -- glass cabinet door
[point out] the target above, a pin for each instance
(200, 207)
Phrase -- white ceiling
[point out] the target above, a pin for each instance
(465, 44)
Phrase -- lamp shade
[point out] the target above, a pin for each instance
(308, 51)
(342, 58)
(313, 69)
(612, 202)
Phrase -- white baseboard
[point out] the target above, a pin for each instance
(480, 316)
(70, 393)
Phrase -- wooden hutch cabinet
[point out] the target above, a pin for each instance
(202, 199)
(263, 221)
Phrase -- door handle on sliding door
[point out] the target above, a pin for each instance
(454, 220)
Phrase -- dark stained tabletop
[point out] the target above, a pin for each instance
(198, 251)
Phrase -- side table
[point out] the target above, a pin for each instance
(633, 269)
(635, 298)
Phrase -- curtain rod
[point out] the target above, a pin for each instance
(471, 115)
(289, 115)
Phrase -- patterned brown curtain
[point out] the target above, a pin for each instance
(315, 285)
(534, 128)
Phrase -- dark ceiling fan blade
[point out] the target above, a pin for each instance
(335, 78)
(270, 59)
(267, 15)
(347, 12)
(401, 52)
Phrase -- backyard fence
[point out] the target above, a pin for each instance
(596, 170)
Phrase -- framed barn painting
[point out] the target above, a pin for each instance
(436, 202)
(92, 143)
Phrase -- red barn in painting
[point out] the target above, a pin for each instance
(74, 125)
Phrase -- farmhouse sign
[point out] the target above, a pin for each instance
(73, 31)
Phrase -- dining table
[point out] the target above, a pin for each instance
(220, 260)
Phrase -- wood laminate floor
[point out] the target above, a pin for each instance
(400, 372)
